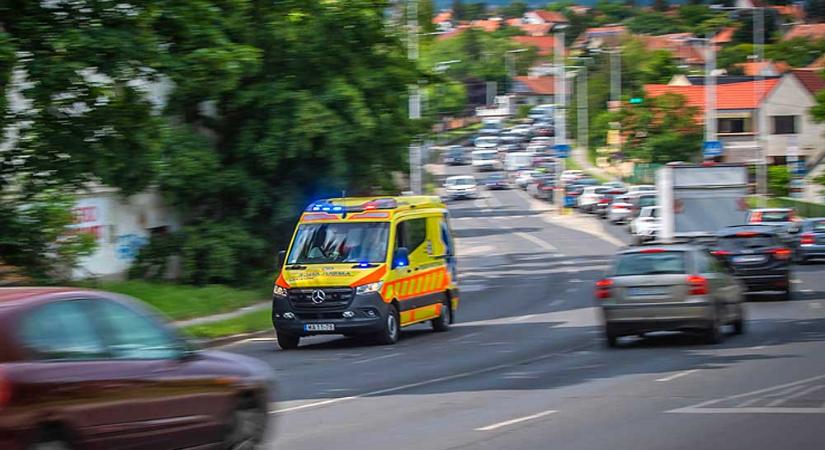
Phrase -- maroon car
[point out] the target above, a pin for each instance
(82, 369)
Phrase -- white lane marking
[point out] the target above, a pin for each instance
(796, 281)
(569, 290)
(802, 393)
(496, 426)
(555, 303)
(520, 318)
(701, 407)
(456, 376)
(755, 410)
(362, 361)
(493, 202)
(677, 375)
(816, 305)
(540, 242)
(468, 335)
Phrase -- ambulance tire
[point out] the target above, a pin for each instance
(442, 322)
(288, 341)
(392, 328)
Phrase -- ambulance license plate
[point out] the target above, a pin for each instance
(319, 327)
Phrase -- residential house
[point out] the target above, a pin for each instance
(723, 37)
(699, 80)
(541, 17)
(543, 44)
(443, 21)
(579, 10)
(600, 37)
(534, 90)
(806, 30)
(488, 25)
(686, 50)
(783, 103)
(763, 68)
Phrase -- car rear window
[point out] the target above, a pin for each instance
(650, 262)
(747, 242)
(647, 200)
(819, 226)
(771, 216)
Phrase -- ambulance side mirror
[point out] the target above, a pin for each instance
(401, 258)
(279, 262)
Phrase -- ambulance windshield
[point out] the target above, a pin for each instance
(325, 243)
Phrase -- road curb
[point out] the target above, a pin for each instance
(226, 340)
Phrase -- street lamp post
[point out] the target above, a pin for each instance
(441, 67)
(510, 66)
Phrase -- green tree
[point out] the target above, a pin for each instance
(459, 11)
(744, 33)
(797, 52)
(731, 55)
(661, 130)
(426, 13)
(779, 179)
(654, 23)
(661, 5)
(514, 9)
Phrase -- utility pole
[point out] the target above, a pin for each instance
(510, 66)
(415, 97)
(710, 91)
(583, 116)
(560, 110)
(616, 93)
(759, 46)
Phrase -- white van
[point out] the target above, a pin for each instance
(540, 112)
(517, 161)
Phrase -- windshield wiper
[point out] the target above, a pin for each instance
(296, 267)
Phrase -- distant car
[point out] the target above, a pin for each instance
(512, 139)
(571, 175)
(486, 142)
(810, 241)
(524, 177)
(669, 288)
(542, 186)
(497, 180)
(603, 205)
(89, 369)
(456, 155)
(646, 226)
(757, 257)
(641, 188)
(641, 200)
(619, 210)
(615, 184)
(486, 160)
(460, 187)
(589, 198)
(523, 130)
(491, 128)
(783, 219)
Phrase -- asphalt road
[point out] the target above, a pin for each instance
(526, 366)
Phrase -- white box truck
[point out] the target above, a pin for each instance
(700, 199)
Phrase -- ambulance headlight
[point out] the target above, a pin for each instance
(278, 291)
(369, 288)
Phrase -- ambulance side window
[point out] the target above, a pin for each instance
(411, 234)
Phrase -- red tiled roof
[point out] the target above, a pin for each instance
(808, 30)
(538, 29)
(753, 69)
(538, 85)
(610, 29)
(550, 16)
(443, 16)
(725, 36)
(488, 25)
(453, 33)
(811, 79)
(544, 44)
(728, 96)
(676, 44)
(515, 22)
(818, 64)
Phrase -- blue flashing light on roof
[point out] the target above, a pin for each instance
(364, 265)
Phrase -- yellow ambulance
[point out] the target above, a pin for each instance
(366, 266)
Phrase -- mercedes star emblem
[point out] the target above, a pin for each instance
(318, 296)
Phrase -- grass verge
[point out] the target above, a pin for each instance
(178, 301)
(248, 323)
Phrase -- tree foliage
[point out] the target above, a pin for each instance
(815, 10)
(661, 130)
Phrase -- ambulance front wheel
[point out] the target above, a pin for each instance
(442, 322)
(392, 327)
(287, 341)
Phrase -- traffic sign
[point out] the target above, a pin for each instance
(798, 167)
(636, 101)
(712, 149)
(561, 150)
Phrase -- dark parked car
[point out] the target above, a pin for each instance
(603, 206)
(810, 241)
(757, 256)
(82, 369)
(456, 155)
(497, 181)
(783, 219)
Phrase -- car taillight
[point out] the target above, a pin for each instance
(720, 253)
(604, 201)
(698, 285)
(603, 288)
(782, 254)
(807, 239)
(620, 207)
(756, 217)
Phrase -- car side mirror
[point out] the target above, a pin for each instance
(401, 258)
(279, 262)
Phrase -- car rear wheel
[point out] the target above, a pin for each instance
(392, 329)
(714, 335)
(442, 322)
(288, 341)
(246, 427)
(611, 338)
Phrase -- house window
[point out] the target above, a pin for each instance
(784, 124)
(734, 125)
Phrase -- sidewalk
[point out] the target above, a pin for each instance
(221, 317)
(580, 156)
